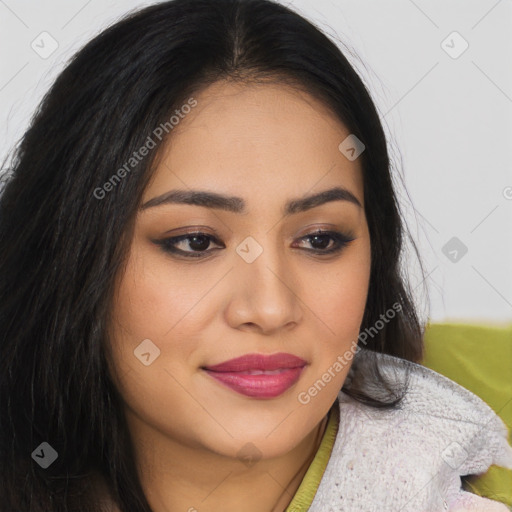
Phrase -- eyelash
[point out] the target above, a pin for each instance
(341, 240)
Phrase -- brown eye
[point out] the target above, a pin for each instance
(198, 243)
(320, 241)
(190, 245)
(327, 242)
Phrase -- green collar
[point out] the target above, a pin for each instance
(309, 485)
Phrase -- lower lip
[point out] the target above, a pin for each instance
(259, 386)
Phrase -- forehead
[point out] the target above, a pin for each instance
(253, 139)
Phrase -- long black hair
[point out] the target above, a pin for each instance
(64, 240)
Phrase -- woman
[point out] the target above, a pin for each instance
(200, 286)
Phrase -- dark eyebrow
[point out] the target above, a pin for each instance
(333, 194)
(237, 204)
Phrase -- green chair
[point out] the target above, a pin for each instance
(480, 359)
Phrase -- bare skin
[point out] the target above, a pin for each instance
(265, 144)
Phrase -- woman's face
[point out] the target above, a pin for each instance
(256, 281)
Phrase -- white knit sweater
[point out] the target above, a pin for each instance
(411, 459)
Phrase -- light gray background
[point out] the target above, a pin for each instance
(448, 120)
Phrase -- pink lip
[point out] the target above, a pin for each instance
(274, 374)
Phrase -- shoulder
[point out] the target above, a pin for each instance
(411, 458)
(436, 399)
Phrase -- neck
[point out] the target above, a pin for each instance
(177, 477)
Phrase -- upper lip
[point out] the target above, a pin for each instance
(258, 362)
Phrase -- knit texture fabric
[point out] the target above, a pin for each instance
(411, 458)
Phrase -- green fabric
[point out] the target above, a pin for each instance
(309, 485)
(478, 358)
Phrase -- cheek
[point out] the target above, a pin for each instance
(150, 304)
(154, 300)
(153, 303)
(339, 297)
(339, 302)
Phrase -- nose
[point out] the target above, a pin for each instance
(265, 294)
